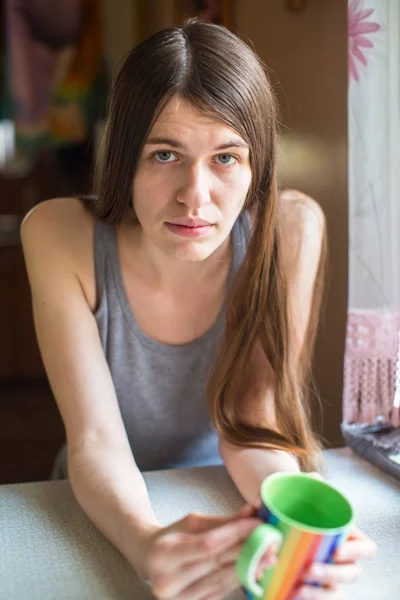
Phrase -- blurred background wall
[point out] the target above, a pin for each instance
(306, 51)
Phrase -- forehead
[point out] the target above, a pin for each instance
(179, 117)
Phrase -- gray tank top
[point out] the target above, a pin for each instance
(161, 389)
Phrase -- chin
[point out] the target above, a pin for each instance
(192, 254)
(190, 251)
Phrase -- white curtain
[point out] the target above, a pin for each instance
(372, 344)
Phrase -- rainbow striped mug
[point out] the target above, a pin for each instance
(307, 519)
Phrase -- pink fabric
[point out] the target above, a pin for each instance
(372, 350)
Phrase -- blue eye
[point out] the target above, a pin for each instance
(226, 158)
(164, 156)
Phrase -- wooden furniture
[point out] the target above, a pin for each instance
(31, 431)
(19, 353)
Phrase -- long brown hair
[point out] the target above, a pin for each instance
(213, 69)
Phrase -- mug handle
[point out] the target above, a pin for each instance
(251, 553)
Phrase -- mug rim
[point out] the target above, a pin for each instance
(298, 525)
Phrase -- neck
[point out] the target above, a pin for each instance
(163, 272)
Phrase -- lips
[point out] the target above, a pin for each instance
(189, 228)
(190, 222)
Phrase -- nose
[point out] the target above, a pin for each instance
(194, 189)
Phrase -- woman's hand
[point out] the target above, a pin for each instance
(344, 570)
(195, 558)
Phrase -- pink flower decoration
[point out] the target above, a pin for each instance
(359, 28)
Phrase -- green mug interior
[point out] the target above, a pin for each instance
(301, 500)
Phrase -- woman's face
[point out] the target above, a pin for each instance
(191, 183)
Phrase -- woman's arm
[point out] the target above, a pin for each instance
(248, 467)
(303, 234)
(104, 477)
(192, 558)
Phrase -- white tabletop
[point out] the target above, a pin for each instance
(50, 551)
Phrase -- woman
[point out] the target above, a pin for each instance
(186, 280)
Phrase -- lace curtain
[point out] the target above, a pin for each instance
(372, 344)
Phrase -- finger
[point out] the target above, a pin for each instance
(194, 571)
(229, 556)
(357, 534)
(197, 523)
(184, 548)
(216, 586)
(176, 550)
(333, 574)
(232, 554)
(308, 592)
(189, 573)
(315, 475)
(222, 538)
(227, 537)
(268, 560)
(258, 502)
(248, 510)
(355, 548)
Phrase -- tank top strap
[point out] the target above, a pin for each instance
(246, 225)
(105, 250)
(241, 234)
(106, 258)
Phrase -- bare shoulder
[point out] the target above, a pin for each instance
(300, 211)
(303, 228)
(58, 233)
(67, 217)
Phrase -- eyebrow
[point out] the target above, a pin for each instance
(176, 144)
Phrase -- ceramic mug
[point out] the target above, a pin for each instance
(307, 519)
